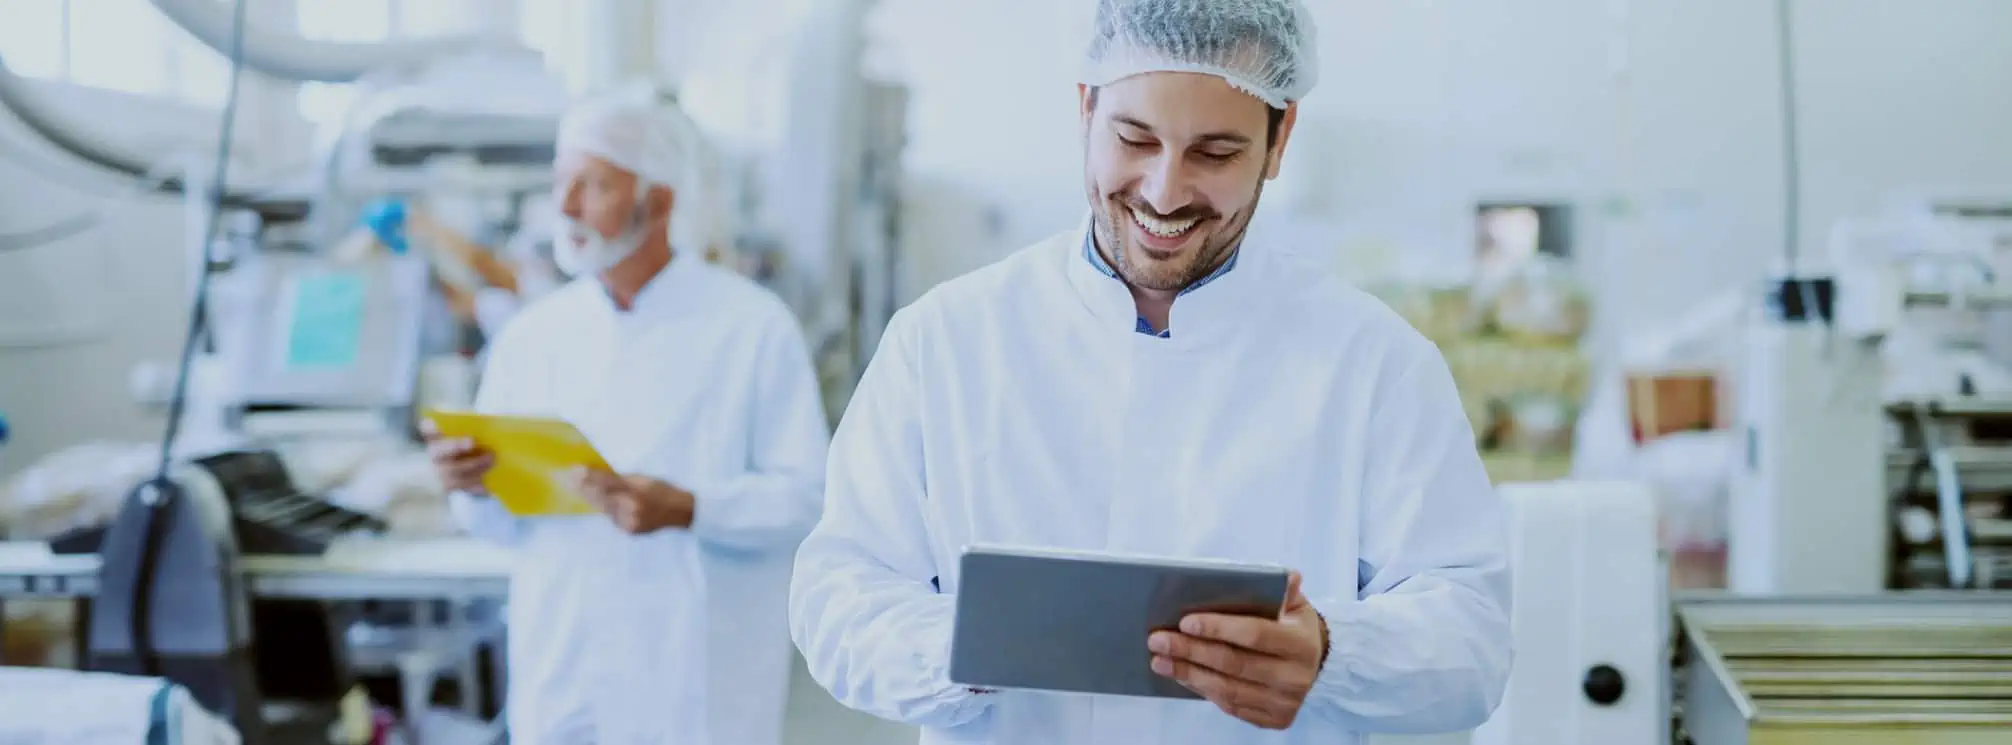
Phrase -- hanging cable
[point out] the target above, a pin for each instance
(216, 187)
(160, 492)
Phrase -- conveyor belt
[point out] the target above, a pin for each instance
(371, 570)
(1903, 668)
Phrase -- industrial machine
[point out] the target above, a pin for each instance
(298, 342)
(1926, 284)
(171, 601)
(1876, 415)
(1589, 617)
(1808, 510)
(210, 640)
(1931, 667)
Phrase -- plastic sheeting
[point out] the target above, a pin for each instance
(66, 707)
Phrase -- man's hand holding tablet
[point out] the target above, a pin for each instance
(1060, 621)
(1253, 668)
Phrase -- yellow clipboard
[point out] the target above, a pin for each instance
(533, 455)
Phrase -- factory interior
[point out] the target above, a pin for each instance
(1716, 281)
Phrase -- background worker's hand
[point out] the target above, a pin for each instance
(637, 504)
(1255, 669)
(459, 462)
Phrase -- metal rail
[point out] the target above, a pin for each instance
(388, 572)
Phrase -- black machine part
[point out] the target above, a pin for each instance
(171, 601)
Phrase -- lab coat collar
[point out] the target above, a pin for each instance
(1106, 298)
(1207, 314)
(661, 291)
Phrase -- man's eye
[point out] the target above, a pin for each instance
(1219, 157)
(1129, 142)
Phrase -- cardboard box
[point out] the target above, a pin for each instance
(1665, 402)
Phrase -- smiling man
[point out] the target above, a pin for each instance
(1154, 383)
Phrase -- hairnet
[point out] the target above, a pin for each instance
(1262, 47)
(631, 128)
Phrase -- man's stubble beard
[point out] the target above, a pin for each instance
(1214, 251)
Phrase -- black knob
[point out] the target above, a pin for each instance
(1604, 685)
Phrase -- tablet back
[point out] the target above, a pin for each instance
(1053, 621)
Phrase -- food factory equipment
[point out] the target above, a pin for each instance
(1589, 621)
(222, 582)
(1929, 284)
(1808, 511)
(1908, 668)
(1877, 422)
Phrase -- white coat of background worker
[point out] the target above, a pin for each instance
(1152, 383)
(661, 621)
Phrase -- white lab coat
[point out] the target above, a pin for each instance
(1288, 419)
(676, 636)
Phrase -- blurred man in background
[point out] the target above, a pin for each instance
(661, 620)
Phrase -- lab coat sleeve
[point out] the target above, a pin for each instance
(483, 517)
(777, 499)
(863, 608)
(502, 389)
(1424, 646)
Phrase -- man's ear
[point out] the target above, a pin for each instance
(1285, 127)
(1086, 100)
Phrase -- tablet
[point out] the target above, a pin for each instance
(1077, 622)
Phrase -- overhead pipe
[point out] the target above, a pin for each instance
(16, 96)
(153, 174)
(292, 57)
(283, 56)
(287, 57)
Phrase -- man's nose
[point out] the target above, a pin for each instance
(568, 196)
(1165, 187)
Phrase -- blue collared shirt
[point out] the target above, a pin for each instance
(1144, 326)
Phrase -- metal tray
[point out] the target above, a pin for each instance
(1897, 669)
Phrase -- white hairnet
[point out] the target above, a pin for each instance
(1262, 47)
(638, 130)
(634, 130)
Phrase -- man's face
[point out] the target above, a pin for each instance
(1173, 165)
(596, 195)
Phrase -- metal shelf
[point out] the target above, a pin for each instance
(1956, 406)
(1985, 468)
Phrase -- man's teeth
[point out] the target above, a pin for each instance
(1163, 228)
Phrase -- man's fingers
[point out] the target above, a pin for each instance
(1266, 670)
(598, 479)
(471, 466)
(1255, 634)
(1236, 698)
(449, 449)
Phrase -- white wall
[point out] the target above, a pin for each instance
(1659, 117)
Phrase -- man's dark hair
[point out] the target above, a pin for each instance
(1274, 118)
